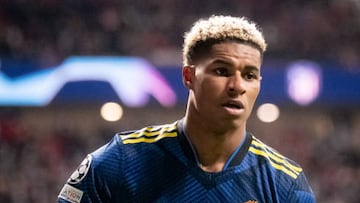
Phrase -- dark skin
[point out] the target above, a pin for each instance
(223, 86)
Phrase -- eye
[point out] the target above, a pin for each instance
(221, 71)
(249, 76)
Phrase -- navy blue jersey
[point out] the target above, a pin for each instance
(158, 164)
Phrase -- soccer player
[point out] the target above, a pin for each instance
(208, 155)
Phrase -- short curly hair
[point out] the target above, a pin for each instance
(217, 28)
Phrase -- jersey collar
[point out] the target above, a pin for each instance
(234, 160)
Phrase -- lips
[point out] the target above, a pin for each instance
(233, 104)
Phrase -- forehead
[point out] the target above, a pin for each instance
(234, 52)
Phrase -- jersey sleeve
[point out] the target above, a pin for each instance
(81, 187)
(91, 180)
(301, 191)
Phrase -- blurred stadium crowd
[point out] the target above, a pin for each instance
(38, 155)
(50, 30)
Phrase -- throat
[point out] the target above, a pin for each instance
(218, 158)
(208, 159)
(213, 159)
(213, 152)
(212, 168)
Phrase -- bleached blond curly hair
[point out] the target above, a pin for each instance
(218, 28)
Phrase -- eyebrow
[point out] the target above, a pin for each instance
(252, 68)
(221, 61)
(247, 67)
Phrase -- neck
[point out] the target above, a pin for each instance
(214, 145)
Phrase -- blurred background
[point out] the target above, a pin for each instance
(73, 73)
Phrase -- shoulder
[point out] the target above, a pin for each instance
(286, 173)
(150, 134)
(124, 147)
(106, 171)
(133, 146)
(274, 159)
(130, 145)
(123, 140)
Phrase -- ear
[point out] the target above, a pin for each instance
(188, 75)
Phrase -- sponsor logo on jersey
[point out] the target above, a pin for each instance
(71, 194)
(80, 173)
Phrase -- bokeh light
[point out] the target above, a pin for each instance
(303, 82)
(268, 112)
(111, 111)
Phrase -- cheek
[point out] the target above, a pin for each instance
(254, 93)
(212, 86)
(207, 89)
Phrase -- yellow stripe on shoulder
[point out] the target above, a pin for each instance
(275, 155)
(149, 140)
(277, 160)
(275, 165)
(150, 134)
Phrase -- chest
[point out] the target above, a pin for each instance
(171, 180)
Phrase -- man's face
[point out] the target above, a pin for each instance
(225, 83)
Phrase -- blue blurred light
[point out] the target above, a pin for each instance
(133, 79)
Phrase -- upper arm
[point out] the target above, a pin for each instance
(301, 191)
(91, 181)
(81, 187)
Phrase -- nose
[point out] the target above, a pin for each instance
(236, 84)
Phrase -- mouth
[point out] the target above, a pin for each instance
(237, 105)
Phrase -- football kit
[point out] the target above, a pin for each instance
(159, 164)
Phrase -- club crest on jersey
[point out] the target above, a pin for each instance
(81, 171)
